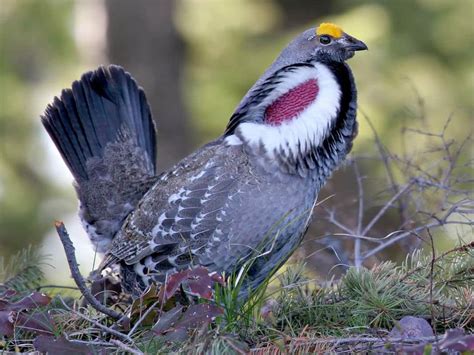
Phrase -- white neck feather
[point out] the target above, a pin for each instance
(307, 130)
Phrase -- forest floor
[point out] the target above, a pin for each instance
(424, 305)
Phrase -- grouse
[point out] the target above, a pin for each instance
(248, 195)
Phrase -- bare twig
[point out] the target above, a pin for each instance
(432, 265)
(385, 156)
(86, 342)
(386, 207)
(432, 192)
(332, 219)
(143, 316)
(369, 341)
(98, 324)
(439, 222)
(126, 347)
(57, 286)
(352, 235)
(360, 214)
(76, 274)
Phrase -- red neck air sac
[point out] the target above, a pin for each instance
(289, 105)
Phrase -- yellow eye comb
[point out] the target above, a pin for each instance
(331, 29)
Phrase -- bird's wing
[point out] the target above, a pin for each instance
(214, 209)
(181, 212)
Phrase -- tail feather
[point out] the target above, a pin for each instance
(59, 128)
(104, 131)
(94, 112)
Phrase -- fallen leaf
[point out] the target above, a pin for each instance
(62, 346)
(105, 289)
(199, 314)
(200, 283)
(8, 294)
(141, 304)
(37, 322)
(32, 301)
(457, 340)
(177, 335)
(197, 282)
(7, 321)
(167, 320)
(411, 327)
(173, 282)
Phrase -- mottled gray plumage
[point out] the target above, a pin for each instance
(237, 197)
(218, 217)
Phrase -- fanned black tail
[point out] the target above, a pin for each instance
(104, 130)
(92, 114)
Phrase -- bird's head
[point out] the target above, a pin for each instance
(327, 42)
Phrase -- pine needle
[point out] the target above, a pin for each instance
(22, 271)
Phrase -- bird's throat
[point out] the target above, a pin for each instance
(289, 105)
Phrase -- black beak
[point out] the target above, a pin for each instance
(353, 44)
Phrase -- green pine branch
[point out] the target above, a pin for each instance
(22, 271)
(380, 296)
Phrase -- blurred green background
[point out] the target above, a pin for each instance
(196, 59)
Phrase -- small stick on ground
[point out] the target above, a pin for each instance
(76, 274)
(98, 324)
(432, 265)
(126, 347)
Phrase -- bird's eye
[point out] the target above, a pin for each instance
(325, 39)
